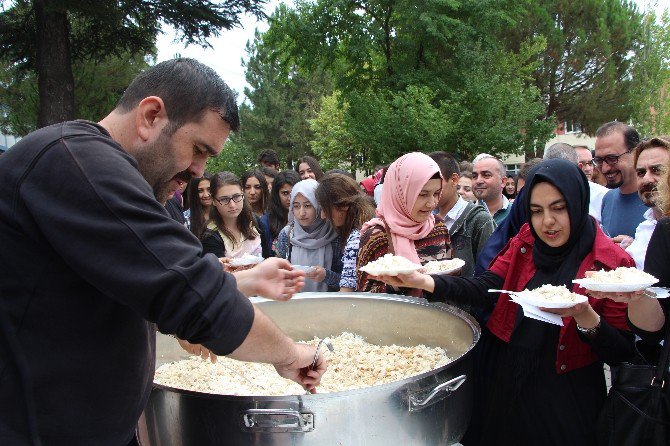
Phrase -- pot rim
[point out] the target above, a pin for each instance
(474, 326)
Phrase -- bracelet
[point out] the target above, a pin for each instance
(590, 332)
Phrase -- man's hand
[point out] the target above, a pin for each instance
(622, 240)
(274, 278)
(198, 350)
(299, 369)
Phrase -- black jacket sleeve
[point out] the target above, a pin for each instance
(467, 290)
(656, 263)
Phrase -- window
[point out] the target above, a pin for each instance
(572, 127)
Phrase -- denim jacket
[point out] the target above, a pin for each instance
(468, 235)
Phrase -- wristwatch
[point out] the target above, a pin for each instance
(590, 332)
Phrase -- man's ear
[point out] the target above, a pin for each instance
(150, 117)
(454, 178)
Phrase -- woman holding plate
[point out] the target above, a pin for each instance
(310, 241)
(540, 383)
(405, 224)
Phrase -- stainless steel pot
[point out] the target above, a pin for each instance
(428, 409)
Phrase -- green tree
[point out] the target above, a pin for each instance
(281, 100)
(98, 87)
(584, 75)
(47, 36)
(413, 75)
(651, 78)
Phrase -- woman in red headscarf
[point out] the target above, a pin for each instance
(405, 224)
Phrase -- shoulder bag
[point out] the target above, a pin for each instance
(637, 408)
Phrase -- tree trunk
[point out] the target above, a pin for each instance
(54, 69)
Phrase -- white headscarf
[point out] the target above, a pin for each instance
(311, 246)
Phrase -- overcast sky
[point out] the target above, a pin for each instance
(228, 49)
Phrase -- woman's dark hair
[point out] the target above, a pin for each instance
(313, 164)
(265, 192)
(198, 217)
(337, 190)
(342, 171)
(277, 214)
(244, 220)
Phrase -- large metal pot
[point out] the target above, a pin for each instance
(428, 409)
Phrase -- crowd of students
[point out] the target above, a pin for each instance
(545, 225)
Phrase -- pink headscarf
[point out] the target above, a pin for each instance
(404, 180)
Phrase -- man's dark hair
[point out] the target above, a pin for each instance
(630, 136)
(269, 156)
(188, 89)
(447, 163)
(526, 167)
(269, 172)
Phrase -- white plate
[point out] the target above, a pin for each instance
(245, 261)
(306, 269)
(390, 272)
(539, 302)
(627, 287)
(454, 265)
(659, 293)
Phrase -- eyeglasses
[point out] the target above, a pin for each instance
(611, 160)
(225, 199)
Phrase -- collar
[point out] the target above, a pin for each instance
(649, 215)
(505, 204)
(457, 209)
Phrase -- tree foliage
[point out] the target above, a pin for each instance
(584, 75)
(97, 88)
(650, 98)
(46, 37)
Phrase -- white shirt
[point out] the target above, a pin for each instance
(455, 212)
(638, 249)
(597, 192)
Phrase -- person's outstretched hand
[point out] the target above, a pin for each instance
(274, 278)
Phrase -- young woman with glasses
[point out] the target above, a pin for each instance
(231, 232)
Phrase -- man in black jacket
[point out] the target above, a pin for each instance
(90, 261)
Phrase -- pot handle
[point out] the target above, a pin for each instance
(423, 398)
(277, 420)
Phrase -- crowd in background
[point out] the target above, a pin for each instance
(575, 210)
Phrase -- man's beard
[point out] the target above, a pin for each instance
(156, 163)
(648, 194)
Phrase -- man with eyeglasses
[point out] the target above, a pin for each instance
(622, 209)
(651, 158)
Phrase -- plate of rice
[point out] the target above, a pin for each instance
(550, 296)
(390, 265)
(621, 280)
(245, 260)
(443, 266)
